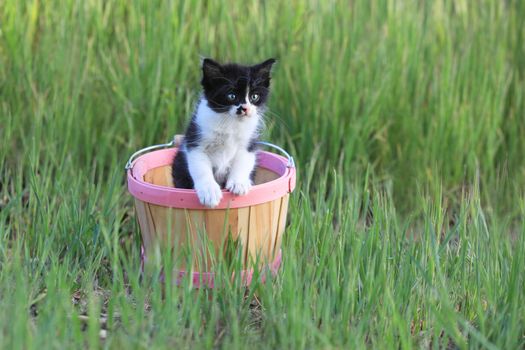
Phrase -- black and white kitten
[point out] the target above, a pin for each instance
(218, 149)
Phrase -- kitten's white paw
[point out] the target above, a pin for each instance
(209, 194)
(239, 187)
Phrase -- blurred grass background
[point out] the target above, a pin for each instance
(406, 119)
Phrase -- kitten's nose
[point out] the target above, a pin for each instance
(243, 109)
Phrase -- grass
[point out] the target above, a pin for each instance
(406, 119)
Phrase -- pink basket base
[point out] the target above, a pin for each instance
(207, 279)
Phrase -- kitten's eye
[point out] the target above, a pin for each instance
(231, 96)
(254, 98)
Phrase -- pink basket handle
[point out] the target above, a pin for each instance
(177, 140)
(291, 162)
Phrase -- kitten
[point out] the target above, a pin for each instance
(218, 150)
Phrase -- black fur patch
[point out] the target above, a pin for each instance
(180, 172)
(192, 135)
(252, 146)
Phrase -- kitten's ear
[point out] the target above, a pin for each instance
(211, 68)
(263, 70)
(265, 67)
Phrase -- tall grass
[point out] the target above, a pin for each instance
(406, 119)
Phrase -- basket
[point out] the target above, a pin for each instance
(175, 217)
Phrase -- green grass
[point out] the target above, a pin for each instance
(407, 122)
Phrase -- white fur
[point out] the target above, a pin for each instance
(222, 154)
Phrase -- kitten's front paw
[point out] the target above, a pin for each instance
(209, 194)
(239, 187)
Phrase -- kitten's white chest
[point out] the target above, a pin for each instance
(221, 149)
(222, 137)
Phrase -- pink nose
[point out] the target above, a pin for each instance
(245, 108)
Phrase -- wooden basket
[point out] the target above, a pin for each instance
(172, 216)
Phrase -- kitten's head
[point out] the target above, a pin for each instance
(240, 91)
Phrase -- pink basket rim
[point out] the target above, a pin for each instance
(187, 198)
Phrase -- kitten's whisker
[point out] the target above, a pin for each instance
(277, 117)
